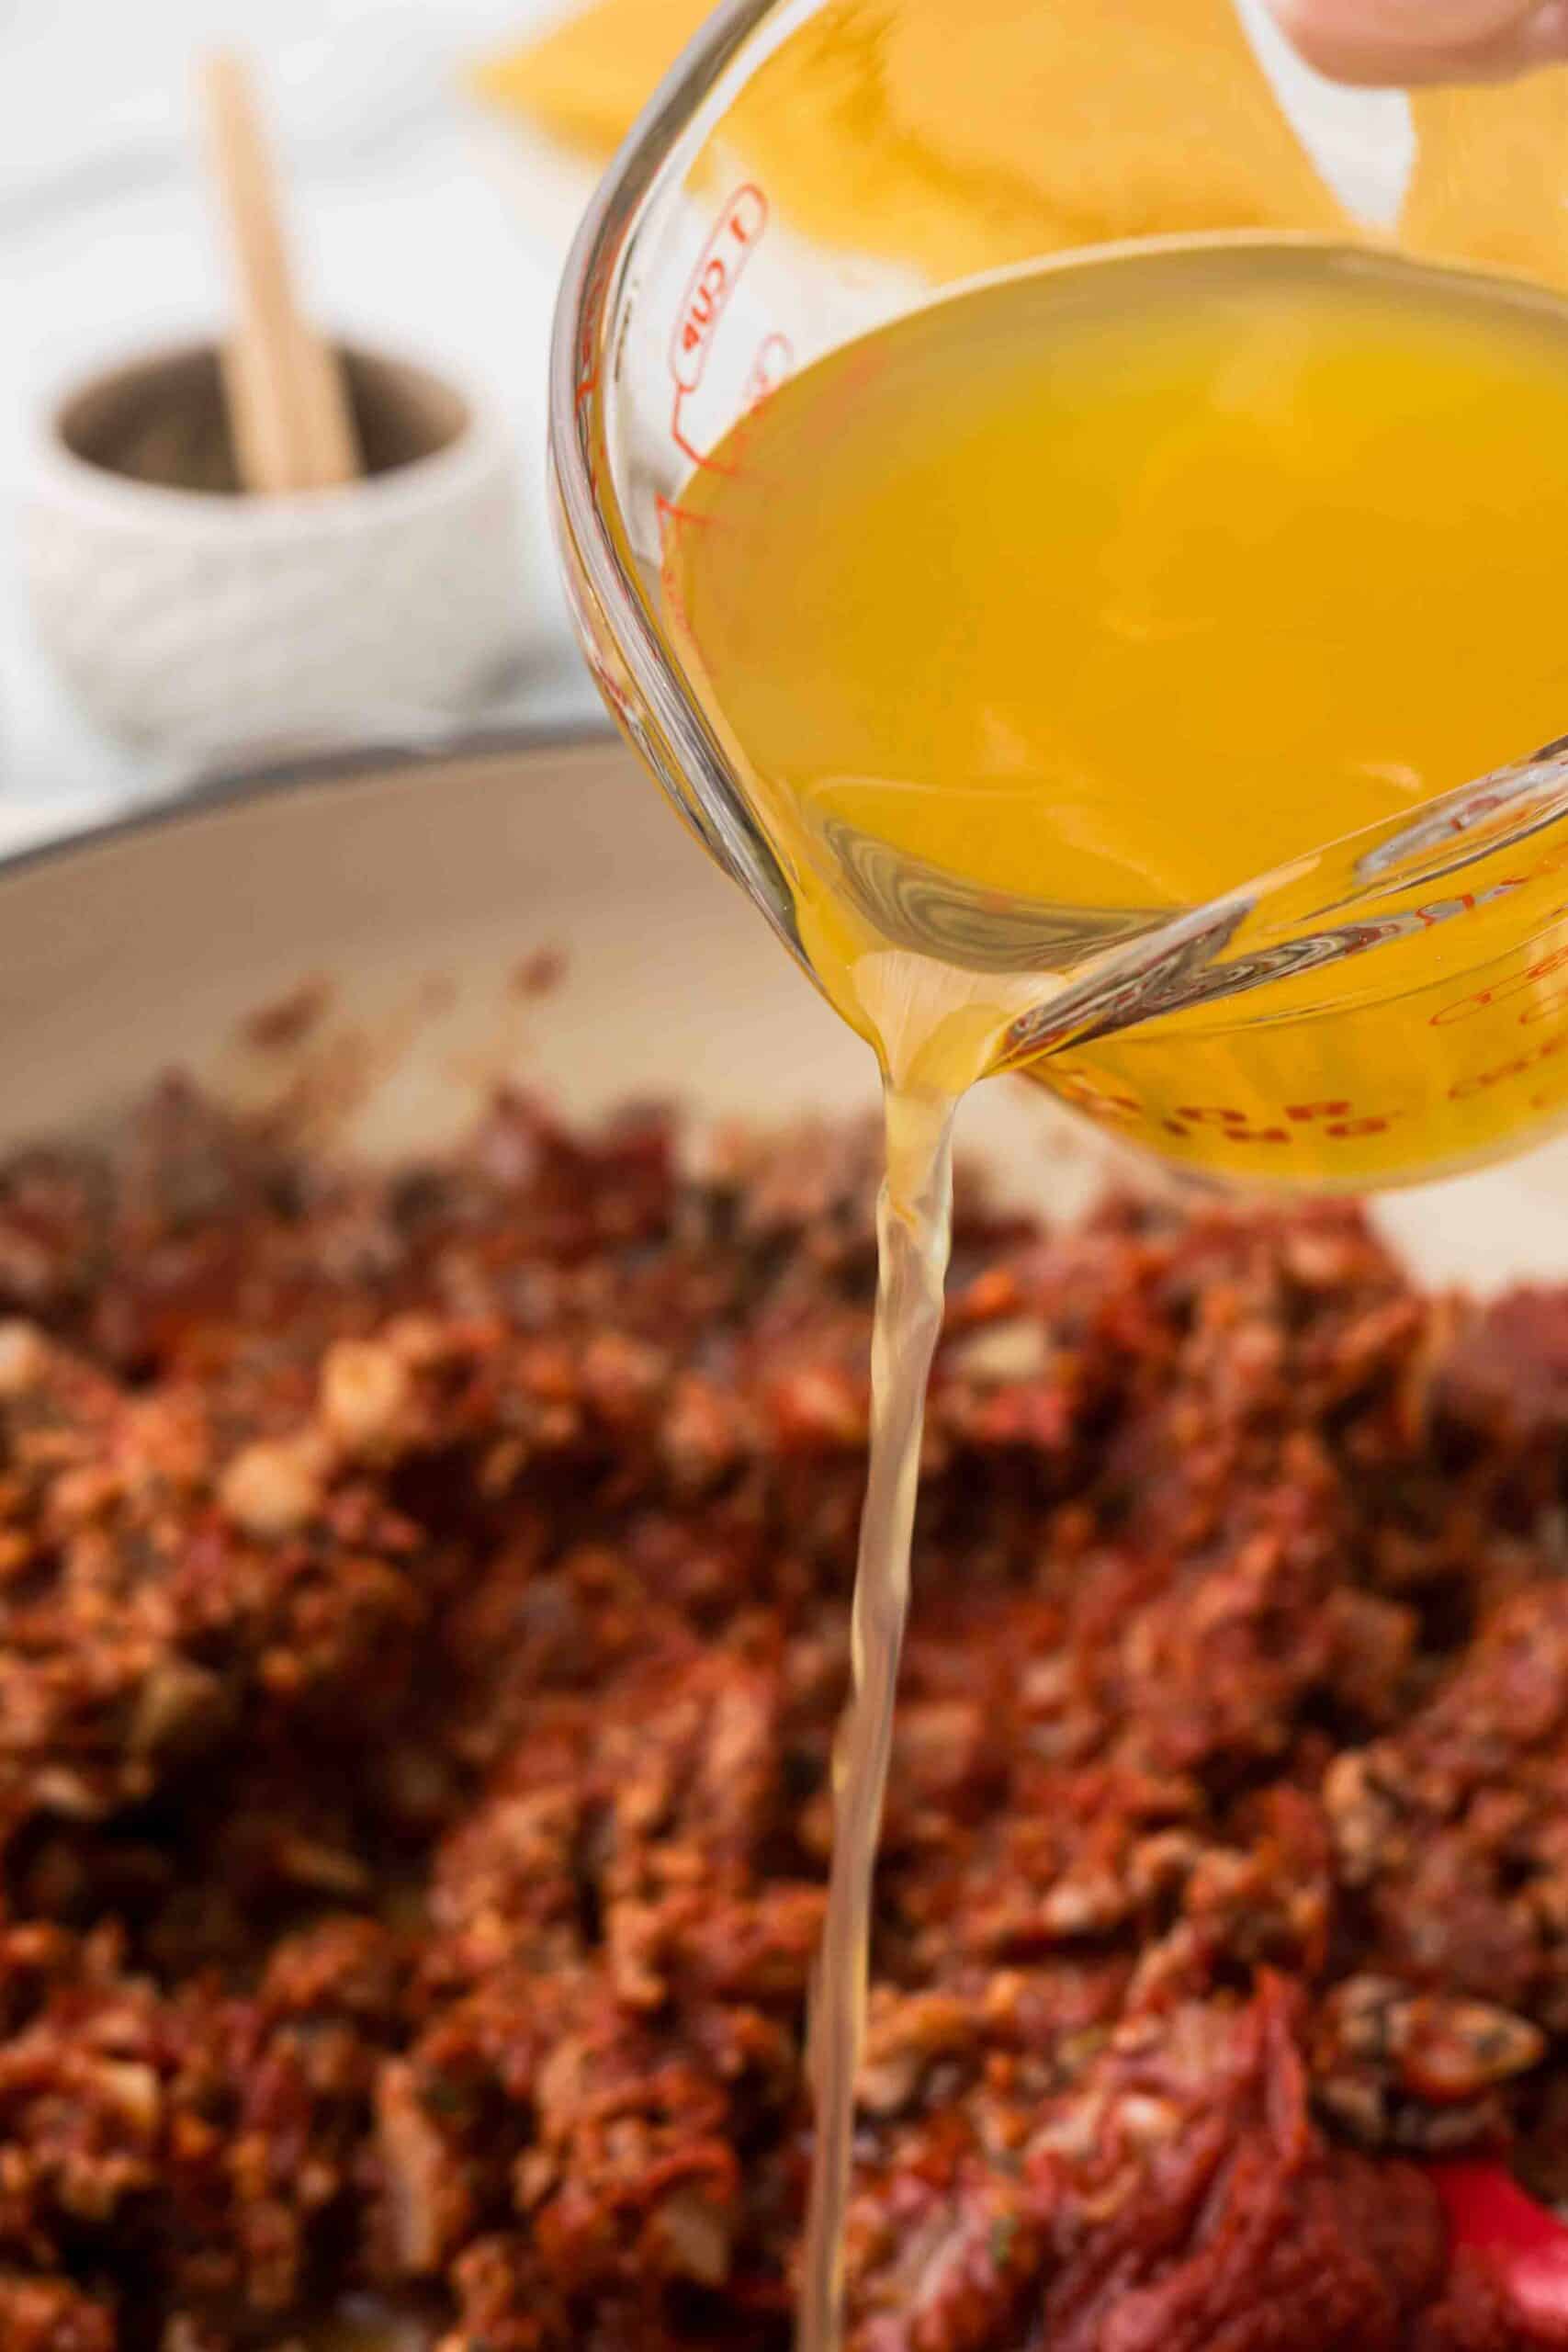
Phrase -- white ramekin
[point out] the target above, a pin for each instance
(186, 619)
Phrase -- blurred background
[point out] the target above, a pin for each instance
(432, 172)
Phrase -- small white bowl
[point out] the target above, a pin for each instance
(190, 620)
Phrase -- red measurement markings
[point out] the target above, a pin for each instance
(1339, 1120)
(734, 239)
(1481, 1081)
(1234, 1126)
(673, 521)
(1482, 1000)
(1550, 1007)
(587, 368)
(1096, 1100)
(774, 363)
(1339, 1123)
(592, 310)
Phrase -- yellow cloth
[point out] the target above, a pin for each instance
(588, 79)
(960, 135)
(1490, 178)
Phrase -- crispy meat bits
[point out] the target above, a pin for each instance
(423, 1602)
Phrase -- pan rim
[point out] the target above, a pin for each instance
(241, 785)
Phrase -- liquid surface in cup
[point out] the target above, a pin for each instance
(1075, 600)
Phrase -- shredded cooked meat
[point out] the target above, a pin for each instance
(425, 1621)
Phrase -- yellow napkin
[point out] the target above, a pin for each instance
(960, 135)
(588, 79)
(1490, 178)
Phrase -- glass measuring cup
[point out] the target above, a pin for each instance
(812, 171)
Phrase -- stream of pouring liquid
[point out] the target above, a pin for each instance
(914, 1231)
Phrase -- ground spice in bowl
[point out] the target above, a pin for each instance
(163, 421)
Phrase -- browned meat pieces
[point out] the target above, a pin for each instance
(423, 1624)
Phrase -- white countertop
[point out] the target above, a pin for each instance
(412, 221)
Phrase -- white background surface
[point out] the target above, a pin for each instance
(414, 221)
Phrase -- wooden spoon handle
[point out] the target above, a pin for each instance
(288, 408)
